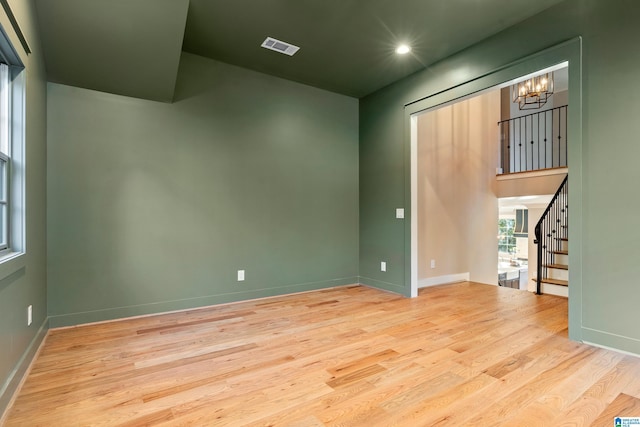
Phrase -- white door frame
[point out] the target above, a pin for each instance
(567, 53)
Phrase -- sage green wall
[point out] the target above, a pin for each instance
(607, 243)
(154, 206)
(26, 284)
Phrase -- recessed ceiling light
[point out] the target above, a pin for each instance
(403, 49)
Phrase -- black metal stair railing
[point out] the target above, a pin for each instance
(550, 231)
(535, 141)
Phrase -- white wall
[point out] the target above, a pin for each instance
(457, 204)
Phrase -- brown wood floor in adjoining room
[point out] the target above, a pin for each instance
(458, 355)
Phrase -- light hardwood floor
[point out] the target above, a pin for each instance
(458, 355)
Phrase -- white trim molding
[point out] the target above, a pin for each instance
(443, 280)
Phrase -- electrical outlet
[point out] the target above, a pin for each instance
(29, 315)
(240, 275)
(400, 213)
(383, 266)
(433, 263)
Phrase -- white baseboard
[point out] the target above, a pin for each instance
(443, 280)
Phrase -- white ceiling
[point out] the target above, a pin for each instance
(508, 205)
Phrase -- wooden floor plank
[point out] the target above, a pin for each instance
(623, 406)
(462, 354)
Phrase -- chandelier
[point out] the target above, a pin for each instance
(534, 92)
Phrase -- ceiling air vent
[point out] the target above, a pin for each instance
(280, 46)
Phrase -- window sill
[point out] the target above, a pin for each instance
(11, 262)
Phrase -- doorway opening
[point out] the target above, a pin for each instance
(567, 54)
(480, 158)
(517, 218)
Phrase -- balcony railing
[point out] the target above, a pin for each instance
(534, 142)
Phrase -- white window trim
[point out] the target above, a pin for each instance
(12, 258)
(5, 156)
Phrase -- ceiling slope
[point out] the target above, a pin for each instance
(132, 47)
(127, 47)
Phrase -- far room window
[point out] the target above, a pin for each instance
(506, 239)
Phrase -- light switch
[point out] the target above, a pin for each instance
(400, 213)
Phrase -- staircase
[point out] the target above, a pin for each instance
(553, 245)
(557, 280)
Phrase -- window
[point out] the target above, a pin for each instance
(506, 239)
(11, 153)
(5, 157)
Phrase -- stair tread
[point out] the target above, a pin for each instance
(558, 252)
(564, 239)
(558, 266)
(556, 282)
